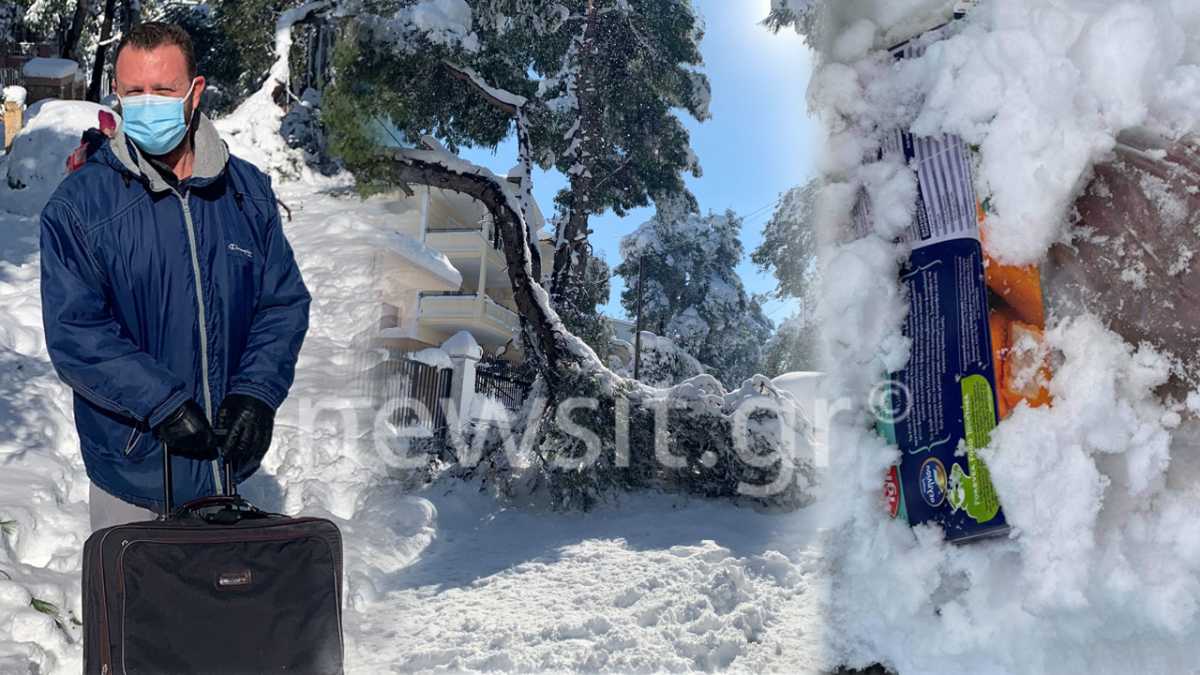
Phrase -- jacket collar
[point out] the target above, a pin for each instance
(211, 157)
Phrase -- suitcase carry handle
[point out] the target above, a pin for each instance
(220, 509)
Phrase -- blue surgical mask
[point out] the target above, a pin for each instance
(155, 123)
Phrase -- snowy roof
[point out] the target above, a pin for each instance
(432, 260)
(53, 69)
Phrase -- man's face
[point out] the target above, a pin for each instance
(161, 71)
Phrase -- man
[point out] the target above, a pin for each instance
(172, 303)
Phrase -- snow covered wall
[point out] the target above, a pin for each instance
(1102, 571)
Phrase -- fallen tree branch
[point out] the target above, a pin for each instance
(545, 337)
(513, 105)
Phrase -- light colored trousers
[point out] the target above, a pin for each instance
(107, 510)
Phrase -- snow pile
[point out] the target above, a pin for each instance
(37, 160)
(43, 487)
(1041, 90)
(1097, 485)
(325, 457)
(13, 94)
(657, 585)
(252, 131)
(48, 68)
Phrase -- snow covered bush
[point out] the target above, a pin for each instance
(663, 363)
(750, 445)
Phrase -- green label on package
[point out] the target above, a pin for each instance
(974, 492)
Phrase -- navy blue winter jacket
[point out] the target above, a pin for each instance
(153, 295)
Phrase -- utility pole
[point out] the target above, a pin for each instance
(637, 334)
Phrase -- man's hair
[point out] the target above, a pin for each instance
(152, 34)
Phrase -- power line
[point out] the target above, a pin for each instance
(761, 209)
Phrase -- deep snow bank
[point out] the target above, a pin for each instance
(1103, 571)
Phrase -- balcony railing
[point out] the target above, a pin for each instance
(485, 226)
(466, 306)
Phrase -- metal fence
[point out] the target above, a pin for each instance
(397, 382)
(9, 76)
(498, 382)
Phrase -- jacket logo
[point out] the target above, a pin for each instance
(238, 249)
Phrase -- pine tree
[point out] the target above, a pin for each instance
(602, 81)
(577, 307)
(692, 293)
(788, 251)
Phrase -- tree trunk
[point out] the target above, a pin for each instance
(131, 14)
(71, 43)
(525, 193)
(542, 331)
(506, 103)
(571, 249)
(93, 92)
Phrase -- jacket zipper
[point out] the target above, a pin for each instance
(191, 234)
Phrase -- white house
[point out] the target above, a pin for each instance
(424, 310)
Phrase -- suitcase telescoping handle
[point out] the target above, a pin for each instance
(169, 490)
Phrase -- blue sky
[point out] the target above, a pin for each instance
(759, 142)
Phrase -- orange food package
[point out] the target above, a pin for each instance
(1017, 321)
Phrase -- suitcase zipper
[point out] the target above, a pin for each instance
(105, 636)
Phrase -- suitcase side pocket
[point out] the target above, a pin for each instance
(280, 585)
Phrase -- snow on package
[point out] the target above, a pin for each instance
(976, 333)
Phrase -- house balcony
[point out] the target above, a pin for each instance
(473, 248)
(492, 324)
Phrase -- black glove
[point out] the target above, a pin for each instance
(246, 423)
(186, 432)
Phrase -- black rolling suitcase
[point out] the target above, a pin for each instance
(217, 586)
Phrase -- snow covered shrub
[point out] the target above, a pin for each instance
(663, 363)
(36, 163)
(301, 128)
(750, 445)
